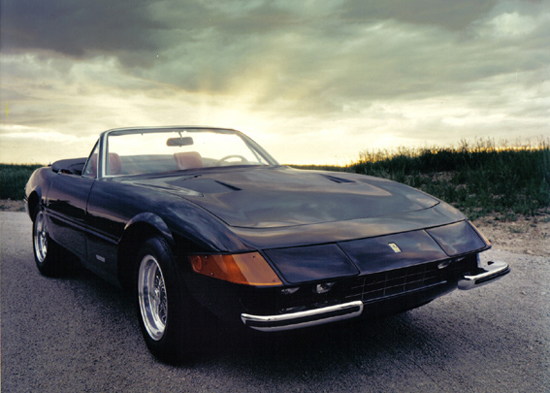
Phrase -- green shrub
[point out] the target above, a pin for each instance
(13, 179)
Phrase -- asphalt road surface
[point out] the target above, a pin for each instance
(79, 334)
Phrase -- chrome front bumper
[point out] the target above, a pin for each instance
(301, 319)
(340, 312)
(491, 272)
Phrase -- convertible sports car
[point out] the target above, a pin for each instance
(194, 218)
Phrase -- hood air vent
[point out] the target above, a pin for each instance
(337, 179)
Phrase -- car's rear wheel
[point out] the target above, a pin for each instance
(163, 304)
(47, 253)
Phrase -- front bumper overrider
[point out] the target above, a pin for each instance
(485, 275)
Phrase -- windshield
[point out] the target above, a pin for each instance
(133, 152)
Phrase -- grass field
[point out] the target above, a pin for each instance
(479, 179)
(13, 178)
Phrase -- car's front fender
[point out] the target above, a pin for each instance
(153, 221)
(36, 189)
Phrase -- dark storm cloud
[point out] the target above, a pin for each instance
(135, 28)
(76, 28)
(449, 14)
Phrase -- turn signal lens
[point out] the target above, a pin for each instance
(248, 269)
(485, 239)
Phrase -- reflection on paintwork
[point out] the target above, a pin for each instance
(312, 263)
(373, 255)
(457, 238)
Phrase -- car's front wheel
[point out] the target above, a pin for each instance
(163, 305)
(47, 253)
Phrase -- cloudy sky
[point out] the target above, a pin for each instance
(313, 81)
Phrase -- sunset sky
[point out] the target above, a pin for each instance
(313, 81)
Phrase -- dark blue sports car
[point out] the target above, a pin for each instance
(194, 218)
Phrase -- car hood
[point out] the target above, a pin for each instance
(273, 197)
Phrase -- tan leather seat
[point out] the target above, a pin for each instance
(115, 165)
(114, 168)
(188, 160)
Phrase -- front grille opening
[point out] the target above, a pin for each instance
(369, 288)
(395, 282)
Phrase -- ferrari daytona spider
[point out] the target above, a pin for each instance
(193, 218)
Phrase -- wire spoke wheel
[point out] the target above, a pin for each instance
(48, 254)
(164, 309)
(153, 301)
(40, 238)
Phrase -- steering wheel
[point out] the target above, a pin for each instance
(243, 159)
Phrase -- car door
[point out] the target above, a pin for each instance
(98, 208)
(107, 215)
(66, 206)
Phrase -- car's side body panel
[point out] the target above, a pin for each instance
(89, 217)
(66, 206)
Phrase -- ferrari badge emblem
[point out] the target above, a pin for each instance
(394, 247)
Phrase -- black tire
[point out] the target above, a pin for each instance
(47, 253)
(164, 309)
